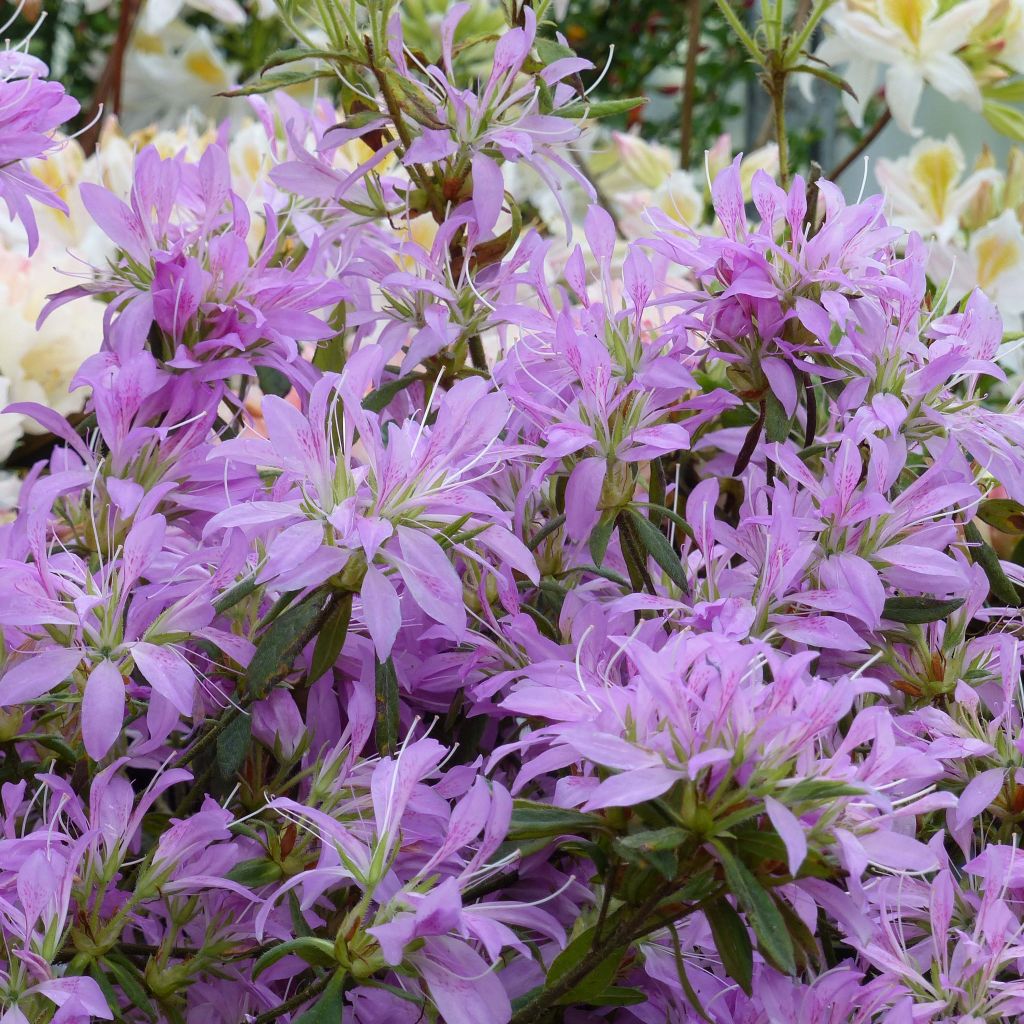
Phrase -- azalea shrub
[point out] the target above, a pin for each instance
(453, 592)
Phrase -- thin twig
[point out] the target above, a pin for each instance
(690, 85)
(861, 146)
(110, 84)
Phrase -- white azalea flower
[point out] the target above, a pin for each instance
(38, 365)
(924, 191)
(171, 75)
(10, 424)
(993, 261)
(156, 15)
(913, 42)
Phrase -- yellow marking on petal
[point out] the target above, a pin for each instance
(996, 255)
(936, 170)
(909, 16)
(203, 66)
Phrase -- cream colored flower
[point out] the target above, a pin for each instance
(924, 190)
(993, 261)
(40, 364)
(916, 42)
(170, 76)
(10, 424)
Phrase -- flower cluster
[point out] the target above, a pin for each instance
(430, 618)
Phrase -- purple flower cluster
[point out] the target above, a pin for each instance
(31, 110)
(549, 641)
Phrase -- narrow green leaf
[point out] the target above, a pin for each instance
(387, 701)
(273, 382)
(656, 849)
(983, 554)
(595, 982)
(819, 791)
(255, 873)
(732, 940)
(329, 1008)
(919, 610)
(619, 995)
(294, 53)
(599, 538)
(98, 975)
(657, 546)
(664, 510)
(331, 638)
(131, 980)
(233, 746)
(316, 952)
(826, 76)
(776, 422)
(377, 400)
(1005, 514)
(57, 746)
(277, 80)
(238, 592)
(1007, 120)
(769, 926)
(282, 642)
(543, 821)
(602, 108)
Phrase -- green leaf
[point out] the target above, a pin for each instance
(329, 1008)
(819, 791)
(664, 510)
(543, 821)
(1003, 514)
(550, 50)
(255, 873)
(292, 54)
(273, 382)
(332, 637)
(235, 593)
(596, 982)
(278, 80)
(316, 952)
(387, 700)
(919, 610)
(603, 108)
(776, 422)
(283, 641)
(656, 848)
(769, 926)
(826, 76)
(98, 975)
(1006, 120)
(732, 940)
(619, 995)
(58, 747)
(599, 538)
(233, 746)
(1010, 90)
(657, 839)
(983, 554)
(377, 400)
(131, 980)
(657, 546)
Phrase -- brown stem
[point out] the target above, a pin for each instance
(110, 82)
(690, 85)
(858, 150)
